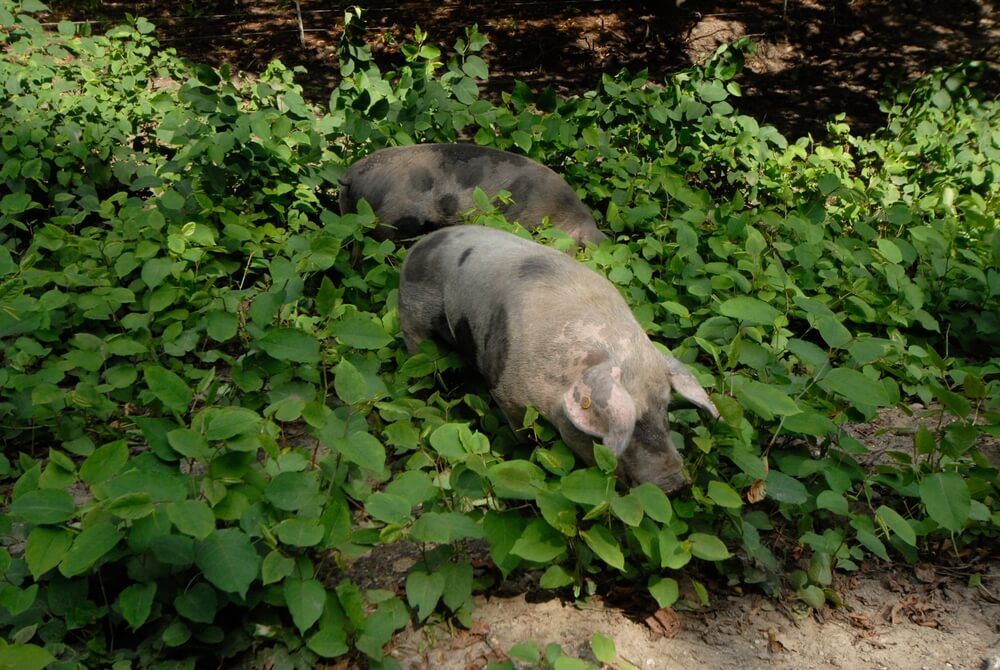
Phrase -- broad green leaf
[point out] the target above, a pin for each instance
(423, 591)
(222, 423)
(654, 502)
(554, 577)
(330, 641)
(168, 388)
(629, 508)
(135, 603)
(388, 507)
(192, 517)
(43, 506)
(539, 542)
(785, 489)
(45, 548)
(502, 530)
(105, 462)
(749, 310)
(228, 560)
(765, 400)
(558, 511)
(305, 599)
(588, 487)
(603, 543)
(457, 584)
(221, 326)
(361, 332)
(603, 648)
(665, 590)
(276, 567)
(349, 383)
(290, 344)
(293, 491)
(443, 527)
(897, 524)
(361, 449)
(889, 250)
(855, 387)
(516, 479)
(724, 495)
(198, 603)
(946, 496)
(297, 532)
(833, 501)
(833, 332)
(88, 548)
(188, 443)
(24, 657)
(708, 547)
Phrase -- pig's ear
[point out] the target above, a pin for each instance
(687, 386)
(599, 405)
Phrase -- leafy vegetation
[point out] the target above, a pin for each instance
(207, 412)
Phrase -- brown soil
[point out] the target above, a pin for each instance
(815, 59)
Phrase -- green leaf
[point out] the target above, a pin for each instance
(833, 501)
(290, 344)
(539, 542)
(361, 449)
(135, 602)
(276, 567)
(43, 506)
(603, 543)
(443, 527)
(628, 508)
(198, 604)
(555, 577)
(785, 489)
(104, 463)
(708, 547)
(855, 387)
(168, 388)
(188, 443)
(654, 502)
(350, 384)
(457, 584)
(588, 487)
(297, 532)
(765, 400)
(221, 326)
(750, 311)
(88, 548)
(603, 648)
(897, 524)
(423, 591)
(45, 548)
(889, 250)
(305, 599)
(228, 560)
(293, 491)
(24, 657)
(330, 641)
(223, 423)
(516, 479)
(388, 508)
(947, 498)
(664, 590)
(724, 495)
(361, 332)
(192, 517)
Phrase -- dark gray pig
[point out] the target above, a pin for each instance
(546, 331)
(415, 189)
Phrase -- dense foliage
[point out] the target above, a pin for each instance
(207, 411)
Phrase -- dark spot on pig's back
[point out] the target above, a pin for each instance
(520, 192)
(497, 346)
(464, 341)
(535, 267)
(422, 259)
(465, 255)
(469, 174)
(447, 205)
(421, 179)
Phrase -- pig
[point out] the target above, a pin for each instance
(546, 331)
(422, 187)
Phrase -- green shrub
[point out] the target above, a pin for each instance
(207, 412)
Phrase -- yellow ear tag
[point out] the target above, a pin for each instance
(585, 402)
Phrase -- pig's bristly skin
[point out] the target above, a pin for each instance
(418, 188)
(546, 331)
